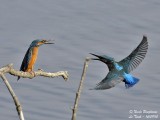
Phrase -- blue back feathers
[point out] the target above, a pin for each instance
(118, 67)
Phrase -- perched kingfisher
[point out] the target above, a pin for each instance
(120, 71)
(31, 55)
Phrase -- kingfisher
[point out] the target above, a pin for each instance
(120, 71)
(31, 55)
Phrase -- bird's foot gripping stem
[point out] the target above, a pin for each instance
(32, 73)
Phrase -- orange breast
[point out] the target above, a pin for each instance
(33, 59)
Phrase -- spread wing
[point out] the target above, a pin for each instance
(26, 60)
(135, 58)
(109, 81)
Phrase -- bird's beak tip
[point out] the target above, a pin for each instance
(95, 56)
(49, 42)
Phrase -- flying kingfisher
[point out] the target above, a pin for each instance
(120, 71)
(31, 55)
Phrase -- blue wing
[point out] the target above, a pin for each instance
(26, 60)
(109, 81)
(135, 58)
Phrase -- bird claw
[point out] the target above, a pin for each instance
(32, 73)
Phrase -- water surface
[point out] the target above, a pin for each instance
(108, 27)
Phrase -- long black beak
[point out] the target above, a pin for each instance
(98, 57)
(49, 42)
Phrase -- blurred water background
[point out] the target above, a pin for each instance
(111, 27)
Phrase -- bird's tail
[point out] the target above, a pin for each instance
(131, 83)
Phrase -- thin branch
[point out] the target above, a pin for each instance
(15, 98)
(9, 69)
(78, 93)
